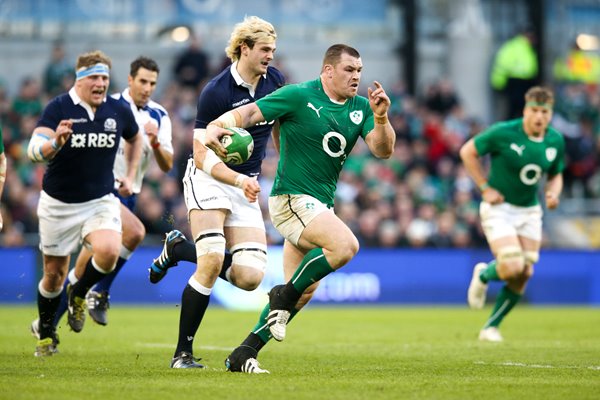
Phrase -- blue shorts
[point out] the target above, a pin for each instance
(128, 201)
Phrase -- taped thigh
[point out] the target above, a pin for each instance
(250, 254)
(510, 254)
(531, 257)
(210, 241)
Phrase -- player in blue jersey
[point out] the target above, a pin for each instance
(78, 135)
(221, 199)
(2, 171)
(155, 126)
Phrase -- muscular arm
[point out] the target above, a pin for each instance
(554, 187)
(133, 154)
(206, 160)
(164, 159)
(243, 117)
(45, 142)
(470, 159)
(381, 140)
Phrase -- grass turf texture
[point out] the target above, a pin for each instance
(329, 353)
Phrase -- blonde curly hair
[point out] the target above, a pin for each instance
(250, 31)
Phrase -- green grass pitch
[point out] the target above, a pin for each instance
(329, 353)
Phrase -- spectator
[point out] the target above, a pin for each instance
(192, 66)
(515, 70)
(59, 73)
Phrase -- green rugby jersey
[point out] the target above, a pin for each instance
(518, 161)
(1, 142)
(316, 137)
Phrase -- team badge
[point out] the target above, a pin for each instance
(550, 153)
(110, 125)
(356, 116)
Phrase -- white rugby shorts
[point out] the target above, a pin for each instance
(64, 226)
(203, 192)
(504, 219)
(291, 213)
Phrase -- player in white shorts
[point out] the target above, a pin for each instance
(226, 221)
(78, 134)
(521, 152)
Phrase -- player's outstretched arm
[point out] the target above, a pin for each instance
(554, 188)
(46, 142)
(470, 159)
(382, 139)
(133, 154)
(242, 117)
(206, 160)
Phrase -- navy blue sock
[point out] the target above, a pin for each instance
(225, 266)
(184, 251)
(106, 282)
(193, 307)
(90, 277)
(47, 311)
(62, 305)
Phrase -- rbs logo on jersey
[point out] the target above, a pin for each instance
(98, 140)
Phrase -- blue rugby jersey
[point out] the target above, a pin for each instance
(226, 92)
(83, 168)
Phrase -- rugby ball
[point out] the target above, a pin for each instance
(239, 146)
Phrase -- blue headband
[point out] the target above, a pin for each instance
(97, 69)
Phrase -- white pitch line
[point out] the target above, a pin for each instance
(544, 366)
(170, 345)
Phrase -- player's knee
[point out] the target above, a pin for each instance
(344, 251)
(250, 262)
(246, 278)
(512, 261)
(106, 254)
(133, 234)
(528, 272)
(531, 257)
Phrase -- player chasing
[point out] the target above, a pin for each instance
(226, 221)
(521, 151)
(320, 122)
(155, 125)
(78, 135)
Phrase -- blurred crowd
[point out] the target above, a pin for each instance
(420, 197)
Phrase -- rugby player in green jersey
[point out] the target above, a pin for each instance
(320, 121)
(521, 151)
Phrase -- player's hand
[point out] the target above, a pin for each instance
(213, 137)
(552, 200)
(63, 132)
(251, 189)
(378, 99)
(125, 187)
(1, 222)
(492, 196)
(151, 130)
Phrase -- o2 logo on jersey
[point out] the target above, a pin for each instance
(334, 144)
(530, 174)
(97, 140)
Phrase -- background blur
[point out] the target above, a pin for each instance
(434, 58)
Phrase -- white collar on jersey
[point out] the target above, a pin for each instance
(77, 100)
(127, 96)
(240, 81)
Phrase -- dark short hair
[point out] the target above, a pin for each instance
(334, 53)
(143, 62)
(540, 94)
